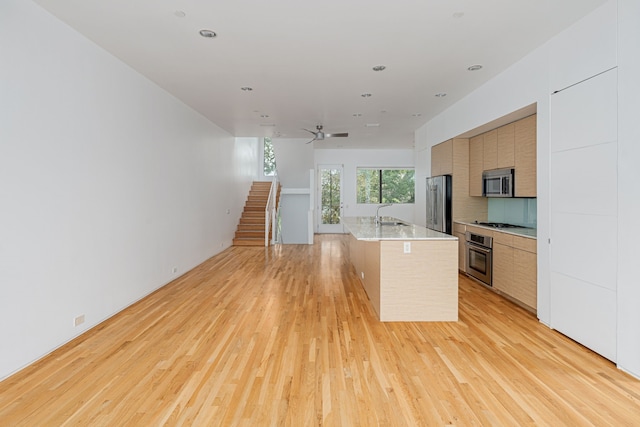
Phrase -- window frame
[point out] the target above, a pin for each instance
(381, 181)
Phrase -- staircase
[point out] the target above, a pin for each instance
(250, 230)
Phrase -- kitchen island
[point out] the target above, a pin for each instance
(409, 272)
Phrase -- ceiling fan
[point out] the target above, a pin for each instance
(320, 135)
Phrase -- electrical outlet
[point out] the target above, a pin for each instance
(78, 320)
(174, 270)
(407, 247)
(228, 211)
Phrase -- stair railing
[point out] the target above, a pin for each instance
(270, 214)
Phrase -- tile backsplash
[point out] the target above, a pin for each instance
(514, 211)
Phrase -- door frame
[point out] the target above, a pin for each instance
(328, 228)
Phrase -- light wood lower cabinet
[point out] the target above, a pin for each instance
(525, 277)
(515, 268)
(462, 252)
(419, 286)
(503, 268)
(458, 231)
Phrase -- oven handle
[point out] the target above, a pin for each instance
(479, 248)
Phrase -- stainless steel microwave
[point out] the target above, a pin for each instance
(498, 183)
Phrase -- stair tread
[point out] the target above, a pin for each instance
(251, 226)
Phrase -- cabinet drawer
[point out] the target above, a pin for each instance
(459, 228)
(526, 244)
(503, 238)
(480, 230)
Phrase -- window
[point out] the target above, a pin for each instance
(385, 185)
(269, 163)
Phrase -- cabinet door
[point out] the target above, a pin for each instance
(506, 140)
(503, 268)
(525, 157)
(442, 158)
(462, 252)
(525, 278)
(475, 165)
(490, 150)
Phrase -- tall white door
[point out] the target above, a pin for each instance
(330, 205)
(583, 212)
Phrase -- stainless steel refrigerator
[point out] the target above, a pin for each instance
(439, 203)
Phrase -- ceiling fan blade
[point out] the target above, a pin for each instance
(311, 140)
(334, 135)
(311, 132)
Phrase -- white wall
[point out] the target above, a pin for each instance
(294, 217)
(294, 158)
(106, 183)
(351, 160)
(527, 82)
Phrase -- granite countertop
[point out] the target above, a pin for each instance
(364, 228)
(522, 232)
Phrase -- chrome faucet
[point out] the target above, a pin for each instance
(377, 219)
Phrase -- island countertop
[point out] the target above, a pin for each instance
(364, 228)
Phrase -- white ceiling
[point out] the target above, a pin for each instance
(309, 62)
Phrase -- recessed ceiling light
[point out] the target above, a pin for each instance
(268, 125)
(458, 15)
(372, 125)
(246, 89)
(475, 67)
(379, 68)
(180, 13)
(440, 95)
(357, 115)
(208, 34)
(365, 95)
(416, 115)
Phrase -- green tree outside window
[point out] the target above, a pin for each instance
(385, 185)
(269, 164)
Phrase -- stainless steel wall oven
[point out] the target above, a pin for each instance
(479, 264)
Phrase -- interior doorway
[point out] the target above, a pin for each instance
(330, 202)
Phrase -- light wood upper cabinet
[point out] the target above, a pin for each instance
(509, 146)
(525, 157)
(476, 156)
(490, 150)
(442, 158)
(506, 146)
(452, 158)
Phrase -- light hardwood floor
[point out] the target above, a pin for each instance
(286, 336)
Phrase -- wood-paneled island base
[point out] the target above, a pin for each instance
(418, 283)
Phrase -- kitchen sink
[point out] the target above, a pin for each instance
(393, 223)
